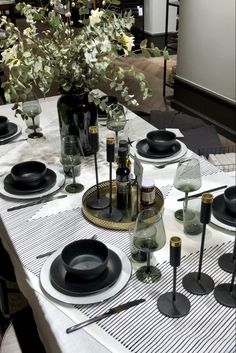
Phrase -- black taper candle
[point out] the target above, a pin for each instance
(110, 149)
(175, 256)
(93, 135)
(174, 304)
(175, 251)
(206, 207)
(205, 218)
(110, 158)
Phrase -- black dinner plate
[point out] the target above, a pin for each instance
(11, 130)
(69, 284)
(144, 150)
(221, 213)
(21, 189)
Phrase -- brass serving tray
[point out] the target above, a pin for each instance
(94, 216)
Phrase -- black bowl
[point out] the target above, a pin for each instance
(3, 124)
(161, 140)
(29, 173)
(230, 199)
(85, 258)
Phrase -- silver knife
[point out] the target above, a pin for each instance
(115, 310)
(37, 202)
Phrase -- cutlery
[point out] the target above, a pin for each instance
(203, 192)
(163, 165)
(14, 141)
(41, 256)
(37, 202)
(112, 311)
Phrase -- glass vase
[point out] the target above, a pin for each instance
(76, 114)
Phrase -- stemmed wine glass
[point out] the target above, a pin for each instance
(31, 108)
(116, 119)
(71, 158)
(187, 179)
(149, 236)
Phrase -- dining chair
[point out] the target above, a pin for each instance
(7, 282)
(21, 336)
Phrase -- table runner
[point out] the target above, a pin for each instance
(143, 329)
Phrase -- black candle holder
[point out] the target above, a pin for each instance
(174, 304)
(225, 293)
(226, 261)
(96, 202)
(111, 213)
(200, 283)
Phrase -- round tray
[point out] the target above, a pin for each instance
(94, 216)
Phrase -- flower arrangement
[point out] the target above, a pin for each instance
(75, 57)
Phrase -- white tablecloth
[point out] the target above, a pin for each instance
(31, 231)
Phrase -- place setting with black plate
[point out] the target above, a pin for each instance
(85, 271)
(160, 146)
(8, 130)
(30, 180)
(224, 209)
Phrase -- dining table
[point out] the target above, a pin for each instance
(50, 226)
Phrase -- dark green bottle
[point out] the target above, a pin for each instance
(123, 182)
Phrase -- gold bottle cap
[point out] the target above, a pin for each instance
(207, 198)
(93, 129)
(175, 242)
(110, 140)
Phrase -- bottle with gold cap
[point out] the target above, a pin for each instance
(123, 182)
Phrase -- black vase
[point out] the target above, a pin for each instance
(76, 114)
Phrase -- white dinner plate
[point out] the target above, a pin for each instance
(123, 279)
(222, 225)
(12, 137)
(175, 157)
(59, 182)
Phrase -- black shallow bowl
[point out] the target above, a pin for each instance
(161, 140)
(3, 124)
(29, 173)
(85, 258)
(230, 199)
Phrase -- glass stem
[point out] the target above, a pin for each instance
(186, 201)
(34, 127)
(117, 142)
(148, 263)
(73, 174)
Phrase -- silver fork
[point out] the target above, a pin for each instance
(163, 165)
(41, 256)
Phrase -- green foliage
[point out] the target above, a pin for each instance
(74, 58)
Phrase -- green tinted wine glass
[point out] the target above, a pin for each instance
(149, 236)
(71, 159)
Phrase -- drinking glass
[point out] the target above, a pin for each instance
(149, 236)
(71, 158)
(187, 179)
(31, 108)
(116, 119)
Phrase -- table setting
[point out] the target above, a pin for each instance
(51, 228)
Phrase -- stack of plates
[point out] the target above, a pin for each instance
(52, 181)
(68, 288)
(221, 216)
(175, 153)
(12, 132)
